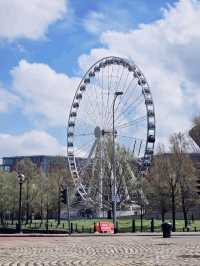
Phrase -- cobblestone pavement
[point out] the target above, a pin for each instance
(100, 250)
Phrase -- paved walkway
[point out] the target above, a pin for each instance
(100, 250)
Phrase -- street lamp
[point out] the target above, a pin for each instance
(20, 179)
(114, 198)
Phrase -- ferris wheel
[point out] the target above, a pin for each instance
(116, 88)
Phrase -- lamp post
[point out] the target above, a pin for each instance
(114, 199)
(20, 178)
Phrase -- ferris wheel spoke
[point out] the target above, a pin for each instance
(84, 146)
(97, 99)
(95, 104)
(104, 108)
(107, 118)
(92, 109)
(134, 143)
(91, 115)
(129, 137)
(121, 101)
(119, 81)
(99, 95)
(131, 123)
(108, 94)
(83, 134)
(131, 97)
(97, 112)
(130, 107)
(125, 93)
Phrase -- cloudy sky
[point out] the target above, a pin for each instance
(45, 47)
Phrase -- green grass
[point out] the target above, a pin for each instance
(87, 225)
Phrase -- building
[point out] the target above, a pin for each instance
(44, 162)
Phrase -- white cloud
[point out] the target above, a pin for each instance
(93, 22)
(29, 19)
(167, 51)
(30, 143)
(117, 17)
(43, 91)
(7, 100)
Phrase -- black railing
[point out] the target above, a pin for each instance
(88, 226)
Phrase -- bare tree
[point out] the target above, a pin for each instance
(58, 174)
(156, 186)
(183, 171)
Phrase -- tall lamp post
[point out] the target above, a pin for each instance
(20, 179)
(114, 196)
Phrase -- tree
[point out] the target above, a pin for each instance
(156, 186)
(183, 171)
(31, 173)
(58, 176)
(8, 195)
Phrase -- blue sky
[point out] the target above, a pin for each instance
(49, 45)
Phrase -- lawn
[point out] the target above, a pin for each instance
(87, 225)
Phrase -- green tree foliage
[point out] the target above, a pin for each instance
(31, 173)
(40, 190)
(8, 195)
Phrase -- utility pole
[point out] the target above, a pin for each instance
(114, 196)
(68, 211)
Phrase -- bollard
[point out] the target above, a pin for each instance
(63, 225)
(152, 225)
(188, 229)
(133, 226)
(195, 229)
(72, 230)
(192, 218)
(117, 227)
(166, 228)
(76, 228)
(82, 228)
(94, 227)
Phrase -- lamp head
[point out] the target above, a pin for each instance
(118, 93)
(20, 177)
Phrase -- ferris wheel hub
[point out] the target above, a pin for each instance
(98, 132)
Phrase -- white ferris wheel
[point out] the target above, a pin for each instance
(116, 88)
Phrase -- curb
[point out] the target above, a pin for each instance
(176, 234)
